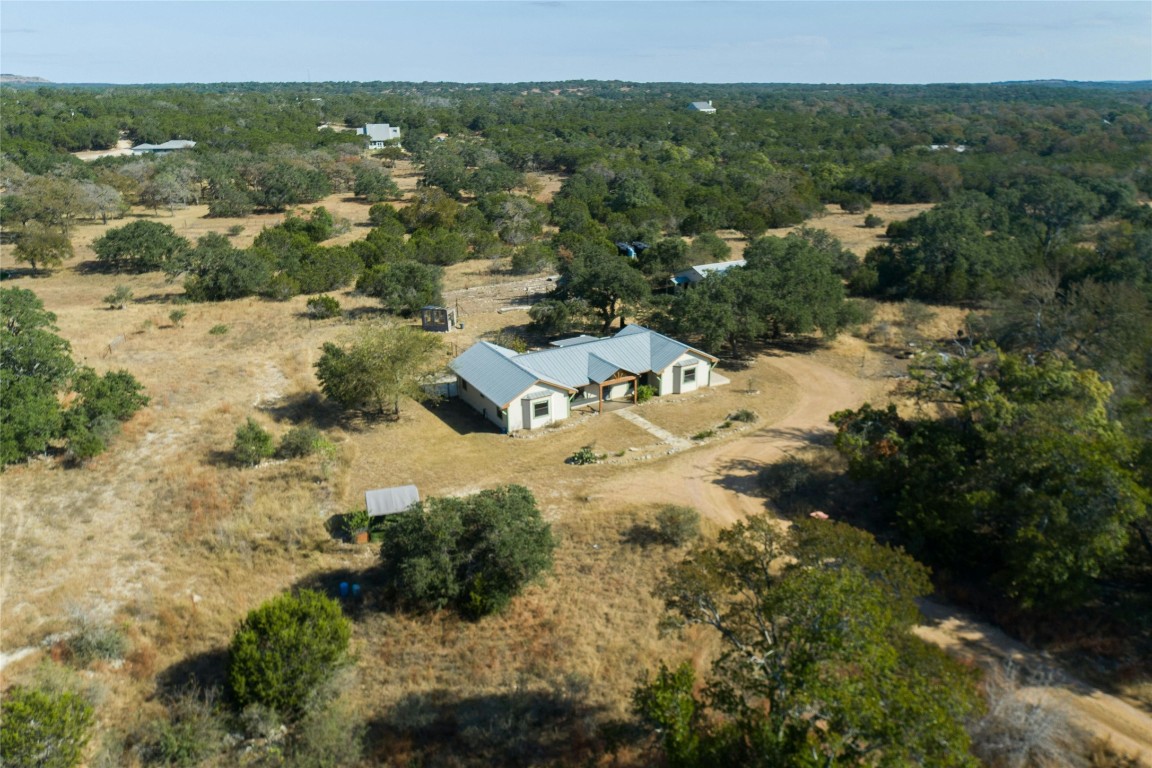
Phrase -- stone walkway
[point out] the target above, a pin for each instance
(677, 443)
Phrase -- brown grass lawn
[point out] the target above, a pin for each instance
(163, 536)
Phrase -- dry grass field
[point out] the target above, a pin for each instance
(165, 537)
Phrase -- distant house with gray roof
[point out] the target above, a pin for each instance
(175, 145)
(702, 106)
(695, 274)
(531, 390)
(379, 134)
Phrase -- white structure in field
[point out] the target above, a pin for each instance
(695, 274)
(702, 106)
(379, 134)
(174, 145)
(534, 389)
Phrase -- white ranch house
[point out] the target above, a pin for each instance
(534, 389)
(379, 134)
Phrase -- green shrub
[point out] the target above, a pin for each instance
(531, 258)
(644, 393)
(281, 287)
(193, 732)
(704, 435)
(323, 307)
(299, 442)
(285, 650)
(95, 641)
(218, 330)
(677, 525)
(473, 554)
(43, 729)
(327, 737)
(253, 444)
(120, 296)
(235, 230)
(356, 520)
(744, 416)
(585, 455)
(511, 341)
(177, 316)
(872, 221)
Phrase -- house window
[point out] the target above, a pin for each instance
(539, 409)
(689, 375)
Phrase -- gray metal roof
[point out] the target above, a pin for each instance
(390, 501)
(494, 372)
(700, 271)
(501, 375)
(165, 147)
(379, 131)
(582, 339)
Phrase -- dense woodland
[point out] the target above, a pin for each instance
(1029, 462)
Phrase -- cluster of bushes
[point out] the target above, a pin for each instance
(36, 371)
(254, 444)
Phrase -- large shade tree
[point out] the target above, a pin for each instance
(818, 663)
(378, 366)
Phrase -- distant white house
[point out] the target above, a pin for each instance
(953, 147)
(379, 134)
(695, 274)
(534, 389)
(174, 145)
(702, 106)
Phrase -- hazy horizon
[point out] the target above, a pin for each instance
(835, 42)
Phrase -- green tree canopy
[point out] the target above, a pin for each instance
(403, 286)
(473, 554)
(606, 281)
(43, 729)
(1022, 476)
(141, 246)
(379, 365)
(819, 665)
(285, 650)
(35, 365)
(42, 247)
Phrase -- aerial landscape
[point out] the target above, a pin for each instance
(576, 384)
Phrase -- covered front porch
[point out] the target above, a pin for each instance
(615, 391)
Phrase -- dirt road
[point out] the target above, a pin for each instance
(720, 482)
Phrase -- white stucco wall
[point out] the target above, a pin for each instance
(671, 378)
(483, 405)
(520, 411)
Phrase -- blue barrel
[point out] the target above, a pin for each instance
(355, 590)
(343, 589)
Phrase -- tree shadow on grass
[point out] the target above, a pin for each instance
(555, 726)
(15, 273)
(306, 408)
(202, 671)
(372, 595)
(460, 417)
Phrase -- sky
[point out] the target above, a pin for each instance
(708, 41)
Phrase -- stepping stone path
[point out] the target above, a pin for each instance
(677, 443)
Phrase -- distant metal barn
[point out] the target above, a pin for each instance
(437, 318)
(391, 501)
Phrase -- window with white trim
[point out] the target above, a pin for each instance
(689, 375)
(539, 409)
